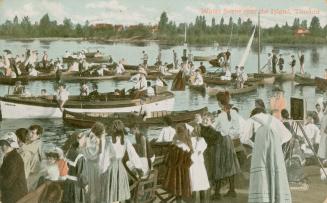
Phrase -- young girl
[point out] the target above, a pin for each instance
(76, 183)
(227, 164)
(178, 162)
(114, 181)
(198, 172)
(56, 168)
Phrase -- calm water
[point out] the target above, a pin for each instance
(315, 63)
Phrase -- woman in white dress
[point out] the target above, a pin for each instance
(198, 172)
(268, 176)
(322, 151)
(114, 181)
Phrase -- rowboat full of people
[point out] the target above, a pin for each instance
(86, 120)
(17, 106)
(232, 90)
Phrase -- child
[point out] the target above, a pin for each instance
(198, 172)
(75, 185)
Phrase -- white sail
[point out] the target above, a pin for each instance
(247, 50)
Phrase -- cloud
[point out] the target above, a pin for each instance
(35, 11)
(112, 5)
(193, 10)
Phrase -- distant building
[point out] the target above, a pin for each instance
(301, 32)
(103, 26)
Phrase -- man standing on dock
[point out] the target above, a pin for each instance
(145, 58)
(301, 58)
(293, 62)
(281, 63)
(274, 63)
(175, 59)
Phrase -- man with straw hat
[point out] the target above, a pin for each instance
(12, 175)
(140, 80)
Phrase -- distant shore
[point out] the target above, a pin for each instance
(142, 40)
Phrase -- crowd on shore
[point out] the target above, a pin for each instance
(90, 167)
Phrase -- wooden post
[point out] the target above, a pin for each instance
(259, 42)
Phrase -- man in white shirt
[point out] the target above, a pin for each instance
(243, 77)
(313, 133)
(62, 96)
(101, 70)
(167, 133)
(159, 82)
(120, 68)
(32, 72)
(198, 80)
(149, 90)
(227, 76)
(140, 80)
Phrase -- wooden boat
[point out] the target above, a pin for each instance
(233, 91)
(278, 76)
(215, 63)
(199, 88)
(86, 120)
(104, 59)
(304, 80)
(321, 83)
(261, 79)
(204, 58)
(25, 79)
(15, 107)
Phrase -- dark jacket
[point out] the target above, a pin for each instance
(12, 178)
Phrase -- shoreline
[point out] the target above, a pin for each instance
(161, 42)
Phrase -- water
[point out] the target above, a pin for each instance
(56, 131)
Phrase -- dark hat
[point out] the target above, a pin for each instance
(223, 97)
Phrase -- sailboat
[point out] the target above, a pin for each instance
(269, 77)
(247, 88)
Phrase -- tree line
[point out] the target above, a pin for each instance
(223, 30)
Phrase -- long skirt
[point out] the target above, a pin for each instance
(115, 186)
(93, 177)
(226, 162)
(322, 151)
(268, 178)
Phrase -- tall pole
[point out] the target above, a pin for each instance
(259, 41)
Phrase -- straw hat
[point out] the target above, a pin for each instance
(11, 139)
(142, 71)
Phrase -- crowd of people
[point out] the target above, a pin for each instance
(276, 63)
(90, 167)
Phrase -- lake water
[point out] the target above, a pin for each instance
(56, 132)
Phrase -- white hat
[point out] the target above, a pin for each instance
(11, 139)
(142, 70)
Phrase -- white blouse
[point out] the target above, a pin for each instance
(167, 134)
(226, 127)
(252, 125)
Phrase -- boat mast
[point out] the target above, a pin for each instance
(259, 41)
(185, 44)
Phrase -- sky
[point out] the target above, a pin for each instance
(128, 12)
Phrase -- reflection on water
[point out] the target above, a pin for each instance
(57, 132)
(314, 56)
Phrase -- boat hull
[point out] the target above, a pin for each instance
(86, 120)
(302, 80)
(232, 91)
(14, 110)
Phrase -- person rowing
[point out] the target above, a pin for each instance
(62, 96)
